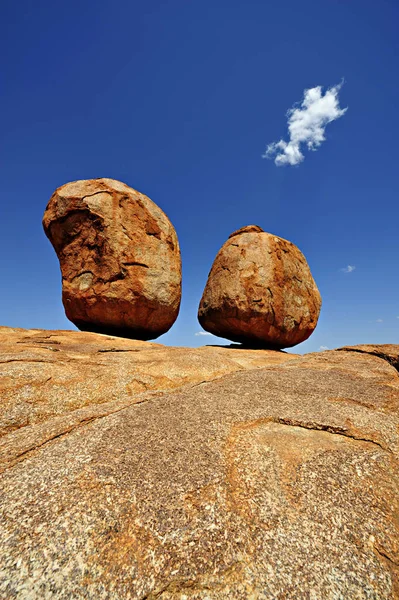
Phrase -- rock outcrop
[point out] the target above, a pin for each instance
(260, 292)
(260, 475)
(119, 258)
(51, 374)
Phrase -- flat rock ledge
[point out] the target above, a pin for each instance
(138, 471)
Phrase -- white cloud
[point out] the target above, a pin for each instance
(322, 348)
(306, 125)
(379, 321)
(202, 333)
(348, 269)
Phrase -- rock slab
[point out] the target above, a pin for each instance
(266, 476)
(260, 292)
(119, 258)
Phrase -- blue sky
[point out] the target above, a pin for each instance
(179, 99)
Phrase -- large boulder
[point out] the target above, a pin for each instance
(260, 292)
(119, 258)
(241, 482)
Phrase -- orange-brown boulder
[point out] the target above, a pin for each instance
(119, 258)
(260, 292)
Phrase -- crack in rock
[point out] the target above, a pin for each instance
(391, 360)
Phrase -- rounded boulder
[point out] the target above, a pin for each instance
(260, 292)
(119, 257)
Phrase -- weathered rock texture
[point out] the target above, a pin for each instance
(47, 375)
(271, 482)
(119, 258)
(260, 291)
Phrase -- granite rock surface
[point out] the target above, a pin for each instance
(137, 471)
